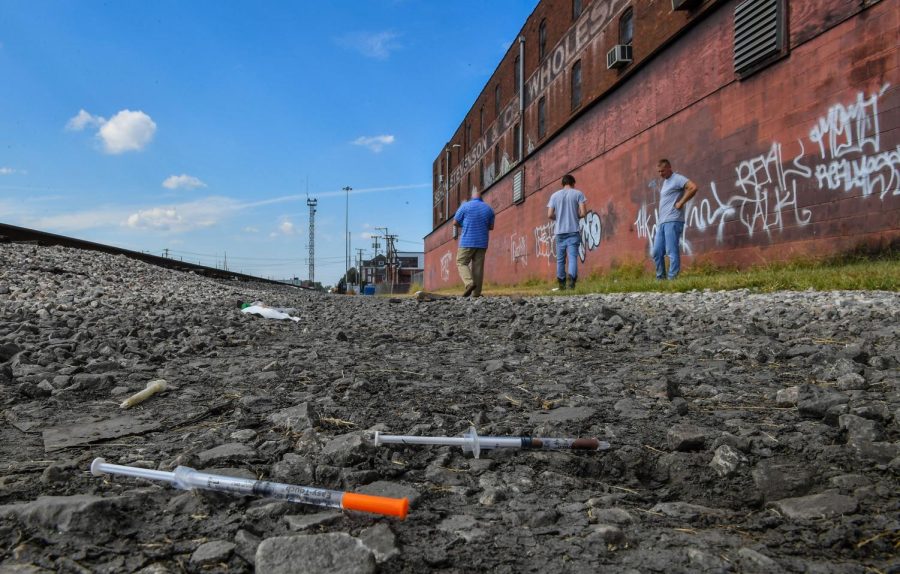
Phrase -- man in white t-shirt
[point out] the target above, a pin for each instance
(674, 194)
(565, 208)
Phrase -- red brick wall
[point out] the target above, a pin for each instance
(768, 189)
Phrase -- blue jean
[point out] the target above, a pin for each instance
(668, 242)
(567, 245)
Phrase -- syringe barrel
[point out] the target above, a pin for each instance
(564, 443)
(188, 478)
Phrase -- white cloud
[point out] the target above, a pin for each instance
(182, 181)
(127, 131)
(378, 45)
(7, 171)
(249, 229)
(286, 227)
(183, 217)
(374, 143)
(83, 120)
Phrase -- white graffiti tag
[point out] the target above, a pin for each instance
(518, 247)
(849, 136)
(545, 241)
(590, 229)
(446, 258)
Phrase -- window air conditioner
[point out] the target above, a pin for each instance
(618, 57)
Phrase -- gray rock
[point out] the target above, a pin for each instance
(561, 414)
(753, 561)
(608, 533)
(851, 382)
(686, 511)
(860, 429)
(333, 553)
(212, 552)
(296, 419)
(824, 505)
(245, 544)
(727, 460)
(229, 452)
(306, 521)
(381, 541)
(815, 401)
(82, 513)
(685, 437)
(787, 397)
(345, 449)
(776, 479)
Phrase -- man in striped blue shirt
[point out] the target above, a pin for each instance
(476, 218)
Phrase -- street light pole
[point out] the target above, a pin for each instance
(347, 239)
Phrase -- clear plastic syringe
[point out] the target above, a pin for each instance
(471, 442)
(187, 478)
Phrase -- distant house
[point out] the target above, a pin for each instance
(394, 276)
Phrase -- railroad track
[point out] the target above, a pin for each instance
(11, 233)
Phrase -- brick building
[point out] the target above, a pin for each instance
(786, 113)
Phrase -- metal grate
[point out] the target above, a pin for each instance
(757, 32)
(519, 186)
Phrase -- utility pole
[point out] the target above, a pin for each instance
(166, 252)
(347, 189)
(393, 262)
(359, 260)
(387, 255)
(312, 239)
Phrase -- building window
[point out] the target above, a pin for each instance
(576, 9)
(542, 40)
(496, 161)
(468, 137)
(497, 101)
(517, 141)
(481, 173)
(542, 117)
(576, 85)
(481, 121)
(759, 33)
(626, 27)
(518, 74)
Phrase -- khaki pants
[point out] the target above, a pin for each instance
(470, 263)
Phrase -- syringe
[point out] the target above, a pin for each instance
(471, 442)
(187, 478)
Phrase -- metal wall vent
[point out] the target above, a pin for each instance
(519, 186)
(757, 32)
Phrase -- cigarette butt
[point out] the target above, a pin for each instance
(377, 504)
(153, 387)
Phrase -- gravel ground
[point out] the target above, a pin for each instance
(749, 432)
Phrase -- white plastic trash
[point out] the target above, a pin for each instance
(268, 313)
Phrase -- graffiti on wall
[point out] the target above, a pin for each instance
(767, 200)
(544, 241)
(446, 258)
(591, 232)
(850, 153)
(518, 247)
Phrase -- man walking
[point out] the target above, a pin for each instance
(476, 219)
(566, 207)
(675, 192)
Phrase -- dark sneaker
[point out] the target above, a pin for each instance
(571, 283)
(562, 284)
(469, 290)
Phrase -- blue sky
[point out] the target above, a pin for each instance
(195, 126)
